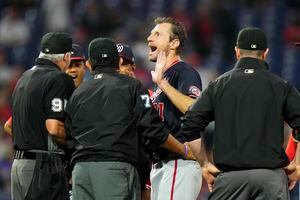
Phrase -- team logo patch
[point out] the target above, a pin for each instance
(194, 90)
(120, 48)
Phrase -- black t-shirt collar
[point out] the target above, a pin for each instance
(253, 63)
(45, 62)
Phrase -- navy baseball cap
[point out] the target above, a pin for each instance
(125, 51)
(56, 43)
(77, 53)
(252, 38)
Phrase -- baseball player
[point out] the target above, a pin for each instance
(178, 84)
(127, 64)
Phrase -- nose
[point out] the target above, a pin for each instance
(149, 38)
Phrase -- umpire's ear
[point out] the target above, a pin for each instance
(88, 65)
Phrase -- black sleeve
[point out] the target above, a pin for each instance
(57, 93)
(198, 116)
(150, 125)
(292, 111)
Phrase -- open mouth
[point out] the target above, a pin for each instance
(73, 76)
(152, 48)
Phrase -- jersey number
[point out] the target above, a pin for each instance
(146, 99)
(160, 108)
(58, 105)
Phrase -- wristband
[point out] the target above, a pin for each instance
(186, 150)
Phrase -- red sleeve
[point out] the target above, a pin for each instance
(9, 121)
(291, 148)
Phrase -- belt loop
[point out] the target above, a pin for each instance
(22, 154)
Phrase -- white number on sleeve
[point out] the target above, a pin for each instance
(57, 105)
(146, 99)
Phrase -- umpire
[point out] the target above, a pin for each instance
(249, 105)
(38, 122)
(108, 115)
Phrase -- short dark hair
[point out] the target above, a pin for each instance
(256, 53)
(177, 31)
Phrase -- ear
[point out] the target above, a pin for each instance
(120, 61)
(88, 65)
(174, 44)
(237, 53)
(265, 54)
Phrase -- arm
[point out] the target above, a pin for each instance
(56, 95)
(180, 100)
(204, 157)
(7, 126)
(56, 128)
(292, 113)
(174, 145)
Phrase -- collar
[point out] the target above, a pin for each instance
(99, 70)
(248, 62)
(45, 62)
(172, 64)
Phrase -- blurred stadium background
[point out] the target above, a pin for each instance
(212, 26)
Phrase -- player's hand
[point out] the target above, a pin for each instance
(190, 155)
(293, 173)
(209, 173)
(158, 73)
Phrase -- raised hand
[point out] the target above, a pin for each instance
(158, 73)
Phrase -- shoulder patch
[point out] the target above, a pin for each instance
(194, 90)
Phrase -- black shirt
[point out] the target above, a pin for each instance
(249, 106)
(108, 115)
(41, 93)
(186, 80)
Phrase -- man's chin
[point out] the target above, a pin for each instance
(152, 59)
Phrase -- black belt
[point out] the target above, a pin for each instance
(19, 154)
(25, 155)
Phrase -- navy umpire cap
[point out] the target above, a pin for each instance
(252, 38)
(125, 51)
(56, 43)
(78, 53)
(103, 52)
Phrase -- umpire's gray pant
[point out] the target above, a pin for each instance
(105, 180)
(254, 184)
(21, 177)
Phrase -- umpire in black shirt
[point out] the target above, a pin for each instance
(38, 122)
(107, 116)
(249, 105)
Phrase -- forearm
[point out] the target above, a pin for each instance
(198, 148)
(297, 155)
(7, 129)
(181, 101)
(173, 145)
(56, 128)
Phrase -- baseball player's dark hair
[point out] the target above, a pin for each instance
(252, 53)
(177, 31)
